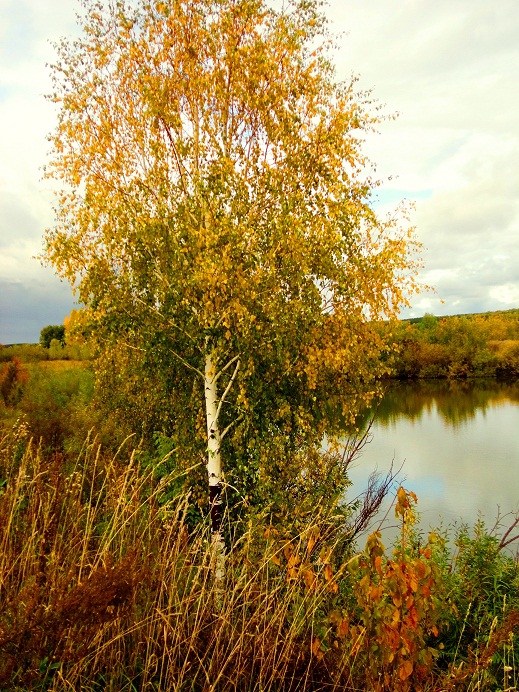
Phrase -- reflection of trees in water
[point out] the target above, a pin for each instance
(456, 401)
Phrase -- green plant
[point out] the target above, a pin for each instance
(484, 592)
(56, 404)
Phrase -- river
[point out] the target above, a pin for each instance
(457, 443)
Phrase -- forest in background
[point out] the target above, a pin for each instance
(458, 346)
(62, 372)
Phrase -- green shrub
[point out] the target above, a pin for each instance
(56, 350)
(27, 353)
(483, 588)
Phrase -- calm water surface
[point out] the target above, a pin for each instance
(459, 446)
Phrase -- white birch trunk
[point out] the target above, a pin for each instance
(214, 464)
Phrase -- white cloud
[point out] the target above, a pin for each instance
(30, 296)
(450, 69)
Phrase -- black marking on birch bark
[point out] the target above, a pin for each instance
(215, 500)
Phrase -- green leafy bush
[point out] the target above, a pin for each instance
(483, 588)
(27, 353)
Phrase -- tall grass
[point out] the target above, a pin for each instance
(104, 587)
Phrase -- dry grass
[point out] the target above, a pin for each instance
(101, 588)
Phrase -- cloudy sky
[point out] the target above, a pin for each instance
(450, 68)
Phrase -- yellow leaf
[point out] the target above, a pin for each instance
(312, 540)
(316, 648)
(405, 670)
(309, 579)
(332, 587)
(293, 561)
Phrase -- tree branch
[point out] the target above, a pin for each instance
(225, 367)
(505, 540)
(229, 385)
(226, 430)
(173, 146)
(188, 365)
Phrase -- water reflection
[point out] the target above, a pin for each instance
(456, 401)
(458, 442)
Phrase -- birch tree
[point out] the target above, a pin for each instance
(214, 210)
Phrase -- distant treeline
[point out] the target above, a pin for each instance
(32, 353)
(459, 346)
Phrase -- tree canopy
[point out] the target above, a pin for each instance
(52, 331)
(214, 212)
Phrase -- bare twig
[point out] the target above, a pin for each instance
(378, 489)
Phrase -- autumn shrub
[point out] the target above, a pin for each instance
(508, 359)
(56, 349)
(78, 351)
(399, 610)
(433, 360)
(13, 378)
